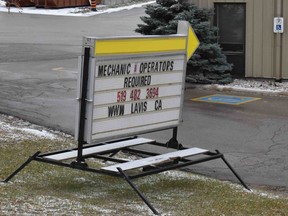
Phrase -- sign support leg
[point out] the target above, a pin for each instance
(234, 172)
(137, 191)
(21, 167)
(80, 160)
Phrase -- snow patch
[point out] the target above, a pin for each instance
(32, 132)
(258, 86)
(143, 208)
(14, 129)
(175, 174)
(41, 205)
(77, 11)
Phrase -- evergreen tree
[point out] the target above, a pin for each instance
(208, 64)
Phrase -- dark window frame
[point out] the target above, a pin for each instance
(234, 51)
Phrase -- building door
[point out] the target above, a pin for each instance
(230, 18)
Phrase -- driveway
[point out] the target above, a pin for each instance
(253, 136)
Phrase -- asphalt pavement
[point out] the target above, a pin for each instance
(38, 71)
(253, 136)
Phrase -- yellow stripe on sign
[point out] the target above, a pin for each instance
(139, 45)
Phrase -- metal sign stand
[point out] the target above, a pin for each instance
(151, 163)
(80, 160)
(174, 163)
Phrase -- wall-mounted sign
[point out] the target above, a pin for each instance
(136, 84)
(278, 24)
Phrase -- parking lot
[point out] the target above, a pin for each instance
(38, 71)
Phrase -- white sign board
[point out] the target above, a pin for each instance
(137, 95)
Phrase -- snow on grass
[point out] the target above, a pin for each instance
(175, 174)
(18, 132)
(142, 208)
(14, 129)
(25, 205)
(77, 11)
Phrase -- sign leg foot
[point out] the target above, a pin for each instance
(137, 191)
(234, 172)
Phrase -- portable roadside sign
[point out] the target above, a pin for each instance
(135, 83)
